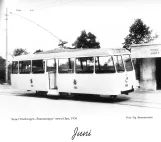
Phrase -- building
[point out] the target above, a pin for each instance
(149, 56)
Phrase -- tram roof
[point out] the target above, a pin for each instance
(68, 53)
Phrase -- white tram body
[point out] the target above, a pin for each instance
(86, 71)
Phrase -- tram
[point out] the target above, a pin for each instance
(104, 72)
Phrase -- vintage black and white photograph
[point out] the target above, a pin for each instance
(80, 70)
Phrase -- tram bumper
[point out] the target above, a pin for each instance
(128, 91)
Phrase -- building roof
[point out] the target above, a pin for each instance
(150, 50)
(145, 44)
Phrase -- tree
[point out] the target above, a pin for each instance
(86, 41)
(19, 51)
(2, 68)
(2, 62)
(37, 51)
(139, 33)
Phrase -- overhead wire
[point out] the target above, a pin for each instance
(36, 24)
(53, 4)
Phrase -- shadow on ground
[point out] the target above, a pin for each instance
(80, 97)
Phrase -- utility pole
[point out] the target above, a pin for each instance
(6, 75)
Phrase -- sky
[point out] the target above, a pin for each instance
(108, 20)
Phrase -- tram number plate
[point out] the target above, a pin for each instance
(126, 80)
(75, 84)
(75, 87)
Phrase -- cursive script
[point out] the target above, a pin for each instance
(80, 133)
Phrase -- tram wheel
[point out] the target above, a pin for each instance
(63, 94)
(42, 93)
(113, 96)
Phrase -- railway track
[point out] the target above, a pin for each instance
(121, 100)
(138, 103)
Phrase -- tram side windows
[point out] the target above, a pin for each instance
(51, 66)
(119, 63)
(66, 65)
(14, 67)
(127, 62)
(38, 66)
(84, 65)
(104, 65)
(24, 67)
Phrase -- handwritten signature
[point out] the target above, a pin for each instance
(80, 133)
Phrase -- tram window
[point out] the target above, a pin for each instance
(84, 65)
(66, 65)
(51, 66)
(104, 65)
(25, 67)
(119, 63)
(128, 63)
(15, 67)
(37, 66)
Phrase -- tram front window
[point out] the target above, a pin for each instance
(119, 63)
(128, 63)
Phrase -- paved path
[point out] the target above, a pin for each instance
(151, 99)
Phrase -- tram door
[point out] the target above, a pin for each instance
(51, 69)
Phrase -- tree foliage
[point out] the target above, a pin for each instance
(138, 33)
(86, 40)
(37, 51)
(19, 51)
(2, 63)
(2, 68)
